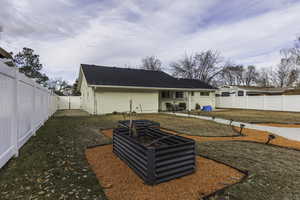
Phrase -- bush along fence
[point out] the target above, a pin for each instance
(274, 102)
(24, 107)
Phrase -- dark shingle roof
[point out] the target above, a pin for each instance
(102, 75)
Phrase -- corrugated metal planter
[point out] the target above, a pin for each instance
(155, 156)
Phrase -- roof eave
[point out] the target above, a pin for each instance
(150, 88)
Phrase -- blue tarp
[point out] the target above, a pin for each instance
(207, 108)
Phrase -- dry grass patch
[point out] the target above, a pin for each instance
(254, 115)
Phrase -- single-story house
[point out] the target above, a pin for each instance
(6, 57)
(227, 91)
(111, 89)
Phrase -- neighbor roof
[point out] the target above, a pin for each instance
(114, 76)
(4, 54)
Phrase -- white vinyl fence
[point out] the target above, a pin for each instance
(275, 103)
(69, 102)
(24, 107)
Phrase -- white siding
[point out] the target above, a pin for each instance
(203, 100)
(87, 95)
(110, 100)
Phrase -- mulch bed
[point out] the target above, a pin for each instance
(209, 177)
(120, 182)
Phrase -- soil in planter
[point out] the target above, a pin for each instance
(120, 182)
(146, 140)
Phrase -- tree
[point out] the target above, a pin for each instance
(264, 78)
(231, 75)
(151, 63)
(286, 73)
(250, 75)
(238, 75)
(60, 87)
(75, 91)
(29, 64)
(204, 66)
(184, 68)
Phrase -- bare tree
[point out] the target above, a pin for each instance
(204, 66)
(151, 63)
(295, 53)
(238, 75)
(286, 74)
(264, 78)
(250, 75)
(184, 68)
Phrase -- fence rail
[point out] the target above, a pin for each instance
(276, 103)
(24, 107)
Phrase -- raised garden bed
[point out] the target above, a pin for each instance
(155, 156)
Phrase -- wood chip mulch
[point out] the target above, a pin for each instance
(210, 176)
(120, 182)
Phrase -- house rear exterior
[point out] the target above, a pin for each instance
(110, 89)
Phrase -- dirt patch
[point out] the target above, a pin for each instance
(120, 182)
(281, 125)
(71, 113)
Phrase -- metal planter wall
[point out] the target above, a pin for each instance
(167, 158)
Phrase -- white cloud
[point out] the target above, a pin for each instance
(66, 33)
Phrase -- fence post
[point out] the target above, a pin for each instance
(264, 102)
(282, 102)
(34, 111)
(247, 101)
(15, 120)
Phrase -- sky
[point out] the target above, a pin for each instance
(66, 33)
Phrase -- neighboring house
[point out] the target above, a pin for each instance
(249, 91)
(110, 89)
(6, 57)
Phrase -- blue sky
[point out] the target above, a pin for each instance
(66, 33)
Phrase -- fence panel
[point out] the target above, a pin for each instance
(7, 77)
(24, 107)
(275, 103)
(69, 102)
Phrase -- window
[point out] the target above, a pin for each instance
(204, 93)
(166, 94)
(225, 94)
(179, 95)
(240, 93)
(192, 94)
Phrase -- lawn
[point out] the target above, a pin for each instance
(254, 115)
(52, 165)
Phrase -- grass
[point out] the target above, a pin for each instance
(255, 115)
(274, 173)
(52, 165)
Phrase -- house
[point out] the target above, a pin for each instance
(6, 57)
(111, 89)
(249, 91)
